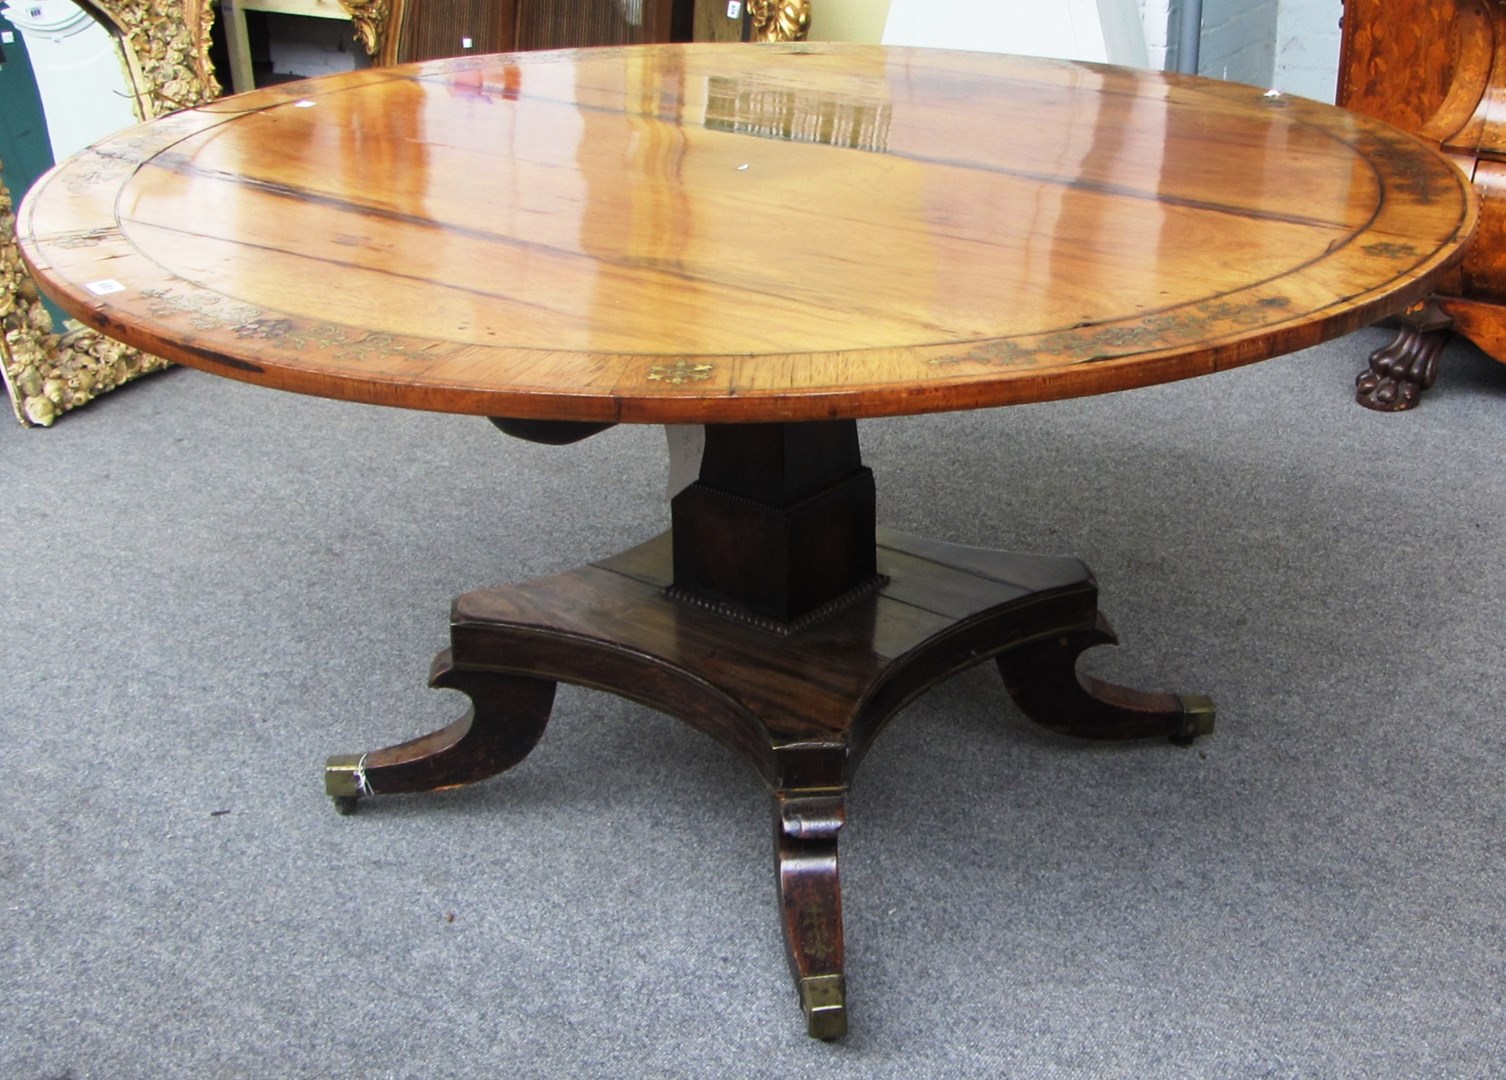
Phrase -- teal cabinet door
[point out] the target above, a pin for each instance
(25, 151)
(24, 147)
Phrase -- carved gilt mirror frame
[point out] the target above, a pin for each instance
(165, 50)
(779, 20)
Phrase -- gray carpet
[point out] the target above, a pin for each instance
(208, 587)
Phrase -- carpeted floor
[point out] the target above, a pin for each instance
(209, 587)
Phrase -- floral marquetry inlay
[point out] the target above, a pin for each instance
(681, 371)
(212, 312)
(1390, 250)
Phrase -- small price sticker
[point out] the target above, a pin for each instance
(734, 9)
(105, 287)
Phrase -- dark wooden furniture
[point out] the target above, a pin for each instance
(777, 242)
(434, 29)
(1437, 68)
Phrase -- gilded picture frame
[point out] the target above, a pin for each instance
(49, 370)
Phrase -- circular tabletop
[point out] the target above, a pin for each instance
(730, 233)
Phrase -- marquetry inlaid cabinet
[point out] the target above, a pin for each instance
(1438, 68)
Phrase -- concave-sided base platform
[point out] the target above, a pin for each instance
(801, 704)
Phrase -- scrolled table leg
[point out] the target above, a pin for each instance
(1043, 679)
(506, 720)
(810, 894)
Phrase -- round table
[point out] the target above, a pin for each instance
(775, 242)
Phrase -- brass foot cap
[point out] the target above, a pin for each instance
(1198, 717)
(824, 999)
(345, 776)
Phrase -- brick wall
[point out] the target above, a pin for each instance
(1239, 40)
(1307, 47)
(1290, 44)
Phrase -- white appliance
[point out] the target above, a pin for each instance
(80, 73)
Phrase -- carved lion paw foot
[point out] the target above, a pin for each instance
(1400, 371)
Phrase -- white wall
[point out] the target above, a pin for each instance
(1292, 44)
(1156, 15)
(1104, 31)
(848, 20)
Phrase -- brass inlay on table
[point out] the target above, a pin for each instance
(775, 241)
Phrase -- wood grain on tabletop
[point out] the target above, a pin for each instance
(738, 233)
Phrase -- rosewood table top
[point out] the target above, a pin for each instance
(729, 233)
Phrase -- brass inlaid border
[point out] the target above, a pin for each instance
(1196, 335)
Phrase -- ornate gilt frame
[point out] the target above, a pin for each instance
(779, 20)
(371, 19)
(165, 51)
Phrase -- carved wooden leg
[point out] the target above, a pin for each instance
(806, 824)
(1042, 678)
(505, 721)
(1400, 371)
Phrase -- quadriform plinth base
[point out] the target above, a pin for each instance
(801, 708)
(792, 648)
